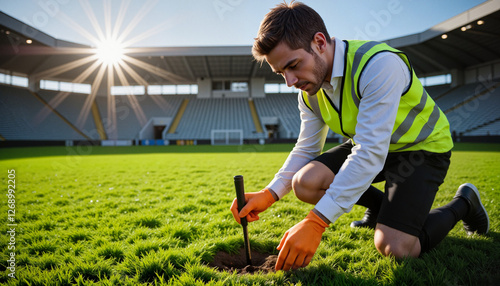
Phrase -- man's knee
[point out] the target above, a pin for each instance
(302, 187)
(311, 182)
(395, 243)
(392, 248)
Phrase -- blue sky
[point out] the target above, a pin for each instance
(158, 23)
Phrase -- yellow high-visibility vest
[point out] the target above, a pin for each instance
(420, 124)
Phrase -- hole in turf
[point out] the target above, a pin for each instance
(261, 262)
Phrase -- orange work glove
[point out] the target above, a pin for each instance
(298, 245)
(255, 203)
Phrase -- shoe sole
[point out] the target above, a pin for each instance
(480, 202)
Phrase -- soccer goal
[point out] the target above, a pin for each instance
(226, 137)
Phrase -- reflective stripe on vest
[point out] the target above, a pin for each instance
(419, 121)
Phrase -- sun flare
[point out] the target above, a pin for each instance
(109, 62)
(110, 51)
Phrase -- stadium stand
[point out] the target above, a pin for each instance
(203, 115)
(70, 109)
(283, 106)
(490, 129)
(476, 116)
(127, 115)
(436, 91)
(21, 119)
(456, 95)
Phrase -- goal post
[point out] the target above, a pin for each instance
(226, 137)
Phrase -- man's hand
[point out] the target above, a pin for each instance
(298, 245)
(255, 204)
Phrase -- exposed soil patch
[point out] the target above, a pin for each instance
(261, 262)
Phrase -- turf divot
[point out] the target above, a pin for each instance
(261, 262)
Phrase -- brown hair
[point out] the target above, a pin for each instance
(294, 24)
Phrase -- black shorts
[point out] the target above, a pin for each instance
(411, 181)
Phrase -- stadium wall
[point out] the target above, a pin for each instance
(482, 73)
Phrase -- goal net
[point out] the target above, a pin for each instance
(226, 137)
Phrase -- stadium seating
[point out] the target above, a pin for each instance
(473, 117)
(283, 106)
(70, 106)
(489, 129)
(128, 122)
(473, 110)
(21, 118)
(437, 91)
(204, 115)
(456, 95)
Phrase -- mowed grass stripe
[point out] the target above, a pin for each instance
(159, 215)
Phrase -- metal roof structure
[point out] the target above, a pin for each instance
(468, 39)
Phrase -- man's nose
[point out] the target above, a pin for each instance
(290, 78)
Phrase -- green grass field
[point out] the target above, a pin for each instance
(158, 215)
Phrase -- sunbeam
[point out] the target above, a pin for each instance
(154, 69)
(119, 18)
(107, 18)
(84, 113)
(79, 29)
(133, 73)
(65, 67)
(93, 20)
(162, 103)
(47, 51)
(110, 121)
(139, 113)
(54, 103)
(155, 30)
(109, 58)
(138, 17)
(61, 96)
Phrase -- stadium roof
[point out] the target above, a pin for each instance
(468, 39)
(472, 38)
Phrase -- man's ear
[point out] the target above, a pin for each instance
(319, 42)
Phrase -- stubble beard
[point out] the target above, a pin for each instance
(320, 71)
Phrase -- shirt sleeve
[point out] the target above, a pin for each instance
(312, 135)
(385, 79)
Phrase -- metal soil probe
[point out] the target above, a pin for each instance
(240, 197)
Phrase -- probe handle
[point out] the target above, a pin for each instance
(240, 198)
(240, 195)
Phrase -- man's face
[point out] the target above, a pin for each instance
(299, 68)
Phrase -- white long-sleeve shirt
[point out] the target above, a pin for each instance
(385, 78)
